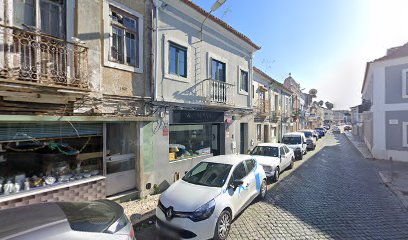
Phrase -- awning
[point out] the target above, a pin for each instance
(46, 118)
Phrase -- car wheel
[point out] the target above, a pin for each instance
(223, 225)
(291, 163)
(300, 156)
(262, 192)
(276, 174)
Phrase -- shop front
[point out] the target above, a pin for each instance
(47, 161)
(195, 133)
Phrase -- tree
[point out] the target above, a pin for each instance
(329, 105)
(320, 103)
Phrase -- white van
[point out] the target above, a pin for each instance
(297, 142)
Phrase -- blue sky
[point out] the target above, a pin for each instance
(323, 43)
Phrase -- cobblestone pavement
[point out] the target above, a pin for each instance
(334, 193)
(337, 194)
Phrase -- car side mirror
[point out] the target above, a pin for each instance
(305, 142)
(237, 183)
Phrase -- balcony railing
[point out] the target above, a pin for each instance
(263, 108)
(32, 57)
(217, 92)
(275, 116)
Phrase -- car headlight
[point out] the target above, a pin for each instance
(203, 212)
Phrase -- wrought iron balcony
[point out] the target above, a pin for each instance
(263, 108)
(275, 116)
(36, 58)
(217, 92)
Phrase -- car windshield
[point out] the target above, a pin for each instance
(308, 134)
(208, 174)
(265, 151)
(291, 140)
(91, 216)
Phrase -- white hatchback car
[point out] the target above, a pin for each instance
(274, 158)
(204, 202)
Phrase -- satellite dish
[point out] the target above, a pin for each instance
(312, 91)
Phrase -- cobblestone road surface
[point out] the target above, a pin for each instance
(336, 194)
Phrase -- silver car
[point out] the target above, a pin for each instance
(101, 220)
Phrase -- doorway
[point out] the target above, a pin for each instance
(121, 143)
(243, 139)
(215, 141)
(266, 133)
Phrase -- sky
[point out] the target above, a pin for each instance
(324, 44)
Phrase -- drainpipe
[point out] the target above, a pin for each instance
(156, 54)
(250, 80)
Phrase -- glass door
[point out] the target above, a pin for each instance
(121, 145)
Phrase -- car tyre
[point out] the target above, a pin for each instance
(223, 225)
(301, 156)
(263, 190)
(276, 174)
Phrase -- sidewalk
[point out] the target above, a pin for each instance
(393, 174)
(359, 144)
(140, 210)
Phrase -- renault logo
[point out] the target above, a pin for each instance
(169, 213)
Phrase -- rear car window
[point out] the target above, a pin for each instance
(91, 216)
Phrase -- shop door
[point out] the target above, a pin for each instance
(121, 145)
(215, 142)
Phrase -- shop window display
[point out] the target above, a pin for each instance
(187, 141)
(37, 155)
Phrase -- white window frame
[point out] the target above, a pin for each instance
(404, 79)
(240, 91)
(210, 57)
(166, 49)
(108, 32)
(404, 134)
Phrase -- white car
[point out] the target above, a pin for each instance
(204, 202)
(297, 142)
(310, 138)
(274, 158)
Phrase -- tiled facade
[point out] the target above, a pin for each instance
(89, 191)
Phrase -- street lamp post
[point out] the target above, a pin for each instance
(214, 8)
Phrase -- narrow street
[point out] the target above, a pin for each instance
(336, 194)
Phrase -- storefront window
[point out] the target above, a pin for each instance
(121, 146)
(188, 141)
(35, 155)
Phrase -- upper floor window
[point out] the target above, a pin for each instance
(218, 70)
(244, 83)
(405, 83)
(46, 15)
(124, 38)
(177, 60)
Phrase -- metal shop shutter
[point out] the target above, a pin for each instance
(41, 130)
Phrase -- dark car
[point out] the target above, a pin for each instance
(101, 220)
(321, 132)
(347, 128)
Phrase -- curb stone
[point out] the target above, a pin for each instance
(399, 194)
